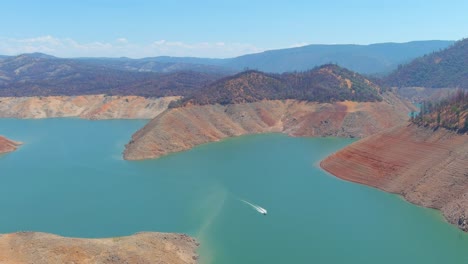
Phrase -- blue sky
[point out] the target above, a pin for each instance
(138, 28)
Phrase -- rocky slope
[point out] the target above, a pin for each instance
(87, 106)
(179, 129)
(427, 167)
(39, 248)
(7, 145)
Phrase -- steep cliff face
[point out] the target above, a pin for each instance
(87, 106)
(41, 248)
(182, 128)
(429, 168)
(7, 145)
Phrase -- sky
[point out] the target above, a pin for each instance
(218, 29)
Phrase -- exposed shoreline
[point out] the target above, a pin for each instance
(180, 129)
(7, 145)
(144, 248)
(95, 107)
(295, 118)
(427, 168)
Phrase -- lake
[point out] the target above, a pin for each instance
(69, 179)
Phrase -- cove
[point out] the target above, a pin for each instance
(69, 179)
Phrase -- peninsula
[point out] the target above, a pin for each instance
(144, 248)
(7, 145)
(326, 101)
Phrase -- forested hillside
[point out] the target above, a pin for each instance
(43, 75)
(450, 113)
(444, 69)
(328, 83)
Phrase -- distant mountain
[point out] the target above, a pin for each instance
(365, 59)
(191, 60)
(444, 69)
(41, 75)
(160, 64)
(327, 83)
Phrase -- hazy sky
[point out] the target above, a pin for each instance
(208, 28)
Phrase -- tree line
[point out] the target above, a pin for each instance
(450, 113)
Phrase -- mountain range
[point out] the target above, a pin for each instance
(366, 59)
(378, 58)
(39, 74)
(42, 75)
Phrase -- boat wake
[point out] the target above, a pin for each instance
(259, 209)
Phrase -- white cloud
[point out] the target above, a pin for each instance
(67, 47)
(122, 40)
(297, 45)
(49, 40)
(159, 42)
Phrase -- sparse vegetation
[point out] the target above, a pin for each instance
(41, 75)
(450, 113)
(328, 83)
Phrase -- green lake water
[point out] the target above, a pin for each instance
(69, 179)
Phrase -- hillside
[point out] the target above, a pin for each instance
(428, 167)
(326, 101)
(44, 75)
(450, 113)
(182, 128)
(328, 83)
(446, 68)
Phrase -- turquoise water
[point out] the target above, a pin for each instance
(69, 179)
(415, 113)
